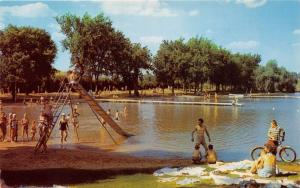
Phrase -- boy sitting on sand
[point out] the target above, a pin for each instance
(196, 155)
(211, 155)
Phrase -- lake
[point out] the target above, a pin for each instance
(164, 130)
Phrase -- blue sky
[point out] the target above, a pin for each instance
(269, 28)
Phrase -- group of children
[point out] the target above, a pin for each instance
(117, 114)
(210, 155)
(264, 166)
(10, 126)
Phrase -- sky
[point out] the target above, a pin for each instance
(269, 28)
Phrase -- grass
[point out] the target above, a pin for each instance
(291, 167)
(148, 180)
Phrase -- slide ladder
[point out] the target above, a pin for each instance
(63, 98)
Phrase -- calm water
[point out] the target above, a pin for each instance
(165, 130)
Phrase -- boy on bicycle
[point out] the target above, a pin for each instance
(275, 133)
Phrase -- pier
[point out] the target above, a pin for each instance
(170, 102)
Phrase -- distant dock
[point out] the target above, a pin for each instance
(273, 96)
(170, 102)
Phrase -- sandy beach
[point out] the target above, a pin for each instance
(20, 165)
(16, 157)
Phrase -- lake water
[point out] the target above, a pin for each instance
(164, 130)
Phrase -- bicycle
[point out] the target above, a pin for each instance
(286, 153)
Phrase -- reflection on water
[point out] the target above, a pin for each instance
(165, 130)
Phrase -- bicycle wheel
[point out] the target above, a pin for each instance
(287, 154)
(255, 153)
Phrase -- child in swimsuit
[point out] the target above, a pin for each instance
(25, 126)
(33, 130)
(196, 155)
(211, 155)
(63, 128)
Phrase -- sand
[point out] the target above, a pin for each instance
(20, 156)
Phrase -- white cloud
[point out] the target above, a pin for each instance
(252, 3)
(31, 10)
(151, 39)
(193, 13)
(138, 7)
(243, 45)
(296, 31)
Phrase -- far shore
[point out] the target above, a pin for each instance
(118, 94)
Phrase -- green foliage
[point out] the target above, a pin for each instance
(98, 49)
(199, 60)
(271, 78)
(27, 55)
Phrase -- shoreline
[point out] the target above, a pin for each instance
(23, 158)
(86, 164)
(20, 166)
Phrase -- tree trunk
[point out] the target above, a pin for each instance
(173, 91)
(14, 92)
(136, 90)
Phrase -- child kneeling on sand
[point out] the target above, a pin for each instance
(211, 155)
(197, 155)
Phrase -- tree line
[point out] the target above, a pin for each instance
(104, 57)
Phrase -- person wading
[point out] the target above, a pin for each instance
(63, 128)
(200, 130)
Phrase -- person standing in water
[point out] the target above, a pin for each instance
(25, 126)
(75, 122)
(200, 130)
(33, 130)
(15, 125)
(3, 122)
(117, 115)
(9, 122)
(63, 128)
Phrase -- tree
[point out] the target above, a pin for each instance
(271, 78)
(133, 59)
(204, 63)
(27, 55)
(90, 42)
(98, 49)
(170, 64)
